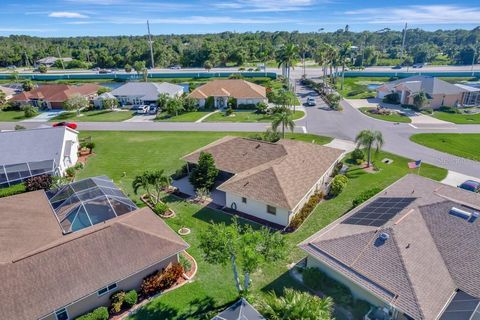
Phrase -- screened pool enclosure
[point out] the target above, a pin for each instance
(16, 173)
(87, 202)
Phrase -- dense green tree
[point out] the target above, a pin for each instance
(174, 106)
(27, 85)
(420, 100)
(287, 57)
(204, 174)
(77, 102)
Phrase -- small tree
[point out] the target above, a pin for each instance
(174, 106)
(369, 138)
(128, 68)
(139, 66)
(208, 65)
(102, 90)
(262, 108)
(284, 119)
(153, 183)
(110, 103)
(162, 100)
(76, 102)
(338, 184)
(29, 111)
(189, 104)
(42, 68)
(420, 100)
(27, 85)
(205, 173)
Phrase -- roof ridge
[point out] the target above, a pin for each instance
(137, 229)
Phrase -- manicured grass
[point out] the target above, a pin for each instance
(394, 117)
(122, 155)
(184, 117)
(457, 117)
(95, 116)
(357, 88)
(246, 116)
(465, 145)
(11, 116)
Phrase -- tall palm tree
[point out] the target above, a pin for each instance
(344, 55)
(295, 305)
(367, 139)
(142, 182)
(159, 181)
(287, 57)
(283, 117)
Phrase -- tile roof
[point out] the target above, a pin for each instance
(56, 92)
(240, 310)
(149, 91)
(236, 88)
(428, 256)
(279, 173)
(428, 84)
(44, 271)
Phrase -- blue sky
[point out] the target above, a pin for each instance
(128, 17)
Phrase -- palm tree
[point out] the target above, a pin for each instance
(142, 182)
(287, 57)
(283, 117)
(295, 305)
(159, 181)
(368, 138)
(344, 55)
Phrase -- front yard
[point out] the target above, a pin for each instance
(246, 116)
(122, 155)
(94, 116)
(465, 145)
(392, 117)
(360, 87)
(458, 118)
(11, 116)
(184, 117)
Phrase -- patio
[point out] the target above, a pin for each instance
(218, 197)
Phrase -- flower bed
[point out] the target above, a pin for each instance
(169, 213)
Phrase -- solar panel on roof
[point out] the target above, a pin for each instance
(462, 307)
(379, 211)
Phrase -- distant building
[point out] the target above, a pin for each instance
(411, 251)
(245, 92)
(138, 93)
(50, 61)
(440, 93)
(53, 96)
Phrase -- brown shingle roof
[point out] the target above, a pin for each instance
(426, 258)
(56, 92)
(236, 88)
(279, 173)
(60, 270)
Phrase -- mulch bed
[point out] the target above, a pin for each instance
(169, 214)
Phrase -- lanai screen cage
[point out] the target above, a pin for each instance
(16, 173)
(84, 203)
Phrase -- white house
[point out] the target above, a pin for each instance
(269, 181)
(137, 93)
(246, 93)
(32, 152)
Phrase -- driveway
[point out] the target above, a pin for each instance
(44, 116)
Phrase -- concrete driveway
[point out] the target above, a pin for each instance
(44, 116)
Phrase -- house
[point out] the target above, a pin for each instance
(98, 102)
(8, 92)
(50, 61)
(32, 152)
(411, 251)
(138, 93)
(246, 93)
(268, 181)
(53, 96)
(440, 93)
(240, 310)
(63, 253)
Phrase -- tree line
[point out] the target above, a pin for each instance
(237, 49)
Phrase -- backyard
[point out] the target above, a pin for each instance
(458, 118)
(94, 116)
(118, 155)
(392, 117)
(246, 116)
(465, 145)
(360, 87)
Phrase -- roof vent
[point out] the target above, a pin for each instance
(384, 236)
(460, 213)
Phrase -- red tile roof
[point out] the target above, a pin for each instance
(56, 92)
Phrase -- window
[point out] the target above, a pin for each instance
(271, 210)
(244, 200)
(61, 314)
(106, 289)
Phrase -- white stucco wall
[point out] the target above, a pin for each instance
(250, 101)
(69, 154)
(257, 209)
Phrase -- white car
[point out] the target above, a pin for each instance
(311, 101)
(142, 109)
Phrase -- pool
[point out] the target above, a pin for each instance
(373, 86)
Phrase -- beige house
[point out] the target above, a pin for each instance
(61, 257)
(411, 251)
(439, 92)
(268, 181)
(245, 92)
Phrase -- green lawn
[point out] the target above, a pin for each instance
(246, 116)
(95, 116)
(457, 118)
(184, 117)
(394, 117)
(11, 116)
(465, 145)
(357, 87)
(122, 155)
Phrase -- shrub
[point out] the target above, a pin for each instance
(358, 156)
(116, 301)
(186, 264)
(42, 182)
(247, 106)
(364, 196)
(262, 108)
(42, 68)
(90, 145)
(78, 166)
(449, 109)
(393, 98)
(70, 172)
(315, 279)
(29, 111)
(305, 211)
(229, 111)
(232, 102)
(131, 298)
(333, 101)
(336, 169)
(338, 184)
(269, 135)
(12, 190)
(19, 127)
(210, 103)
(180, 173)
(100, 313)
(161, 280)
(161, 208)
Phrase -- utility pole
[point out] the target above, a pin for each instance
(403, 43)
(60, 57)
(27, 62)
(150, 42)
(473, 60)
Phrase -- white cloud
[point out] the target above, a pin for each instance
(18, 30)
(268, 5)
(67, 14)
(421, 14)
(203, 20)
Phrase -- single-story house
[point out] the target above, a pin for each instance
(31, 152)
(138, 93)
(240, 310)
(53, 96)
(411, 251)
(269, 181)
(50, 61)
(64, 252)
(98, 102)
(8, 92)
(439, 92)
(243, 91)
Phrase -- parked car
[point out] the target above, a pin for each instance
(470, 185)
(71, 125)
(397, 67)
(152, 109)
(104, 71)
(311, 101)
(143, 109)
(418, 65)
(176, 67)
